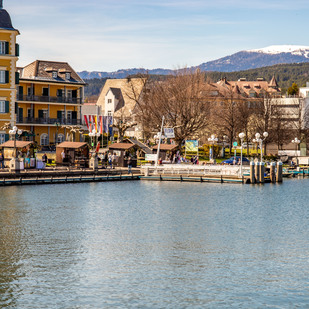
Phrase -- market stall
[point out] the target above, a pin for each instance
(167, 151)
(72, 153)
(121, 151)
(24, 150)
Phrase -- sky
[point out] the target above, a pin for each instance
(109, 35)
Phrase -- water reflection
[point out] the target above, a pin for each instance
(154, 245)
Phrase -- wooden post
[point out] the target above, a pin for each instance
(273, 172)
(279, 172)
(262, 171)
(257, 172)
(252, 174)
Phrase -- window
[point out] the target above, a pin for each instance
(45, 92)
(67, 75)
(109, 101)
(4, 107)
(69, 116)
(109, 113)
(54, 74)
(60, 138)
(4, 48)
(3, 77)
(2, 138)
(44, 140)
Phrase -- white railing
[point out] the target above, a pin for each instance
(193, 170)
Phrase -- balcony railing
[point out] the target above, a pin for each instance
(62, 121)
(36, 98)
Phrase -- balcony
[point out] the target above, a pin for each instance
(48, 99)
(47, 121)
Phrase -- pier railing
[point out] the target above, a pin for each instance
(193, 170)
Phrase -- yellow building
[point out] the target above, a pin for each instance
(8, 77)
(49, 99)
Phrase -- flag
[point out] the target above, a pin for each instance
(86, 121)
(98, 147)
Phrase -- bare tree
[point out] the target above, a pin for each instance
(181, 99)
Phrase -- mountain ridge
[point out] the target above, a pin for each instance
(243, 60)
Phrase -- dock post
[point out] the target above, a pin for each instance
(257, 172)
(252, 174)
(279, 172)
(273, 172)
(146, 171)
(262, 171)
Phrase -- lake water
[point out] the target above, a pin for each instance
(155, 245)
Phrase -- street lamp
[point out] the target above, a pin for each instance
(241, 136)
(213, 139)
(260, 140)
(14, 162)
(296, 141)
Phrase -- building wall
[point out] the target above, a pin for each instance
(8, 89)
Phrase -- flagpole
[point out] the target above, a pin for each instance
(158, 150)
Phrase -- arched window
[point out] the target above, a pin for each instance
(60, 138)
(44, 140)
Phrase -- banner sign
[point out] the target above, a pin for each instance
(150, 157)
(192, 145)
(169, 132)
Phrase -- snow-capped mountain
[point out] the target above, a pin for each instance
(278, 49)
(243, 60)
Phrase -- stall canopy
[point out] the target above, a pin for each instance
(19, 144)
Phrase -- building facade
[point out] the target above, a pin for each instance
(49, 100)
(9, 52)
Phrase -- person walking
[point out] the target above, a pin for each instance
(62, 155)
(44, 159)
(1, 160)
(129, 165)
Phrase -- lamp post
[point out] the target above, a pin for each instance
(57, 124)
(259, 139)
(296, 141)
(213, 139)
(241, 136)
(14, 161)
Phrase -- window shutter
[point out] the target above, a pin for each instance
(17, 50)
(7, 137)
(16, 107)
(7, 77)
(7, 106)
(59, 115)
(40, 113)
(7, 48)
(16, 78)
(74, 115)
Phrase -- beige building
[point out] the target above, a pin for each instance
(118, 99)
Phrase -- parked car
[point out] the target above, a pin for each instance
(236, 160)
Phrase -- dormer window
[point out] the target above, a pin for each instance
(67, 75)
(54, 74)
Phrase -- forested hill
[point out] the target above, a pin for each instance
(286, 75)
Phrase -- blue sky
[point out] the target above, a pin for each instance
(108, 35)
